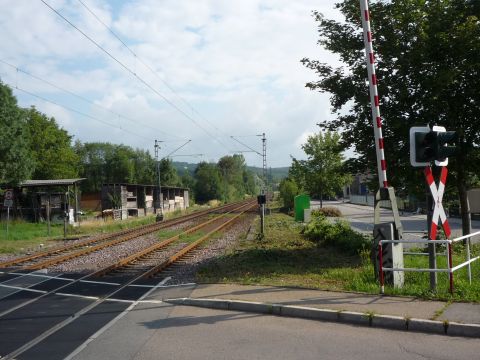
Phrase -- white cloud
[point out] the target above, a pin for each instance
(237, 63)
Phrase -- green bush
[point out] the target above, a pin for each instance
(327, 211)
(288, 190)
(338, 234)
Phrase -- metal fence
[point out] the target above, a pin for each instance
(450, 268)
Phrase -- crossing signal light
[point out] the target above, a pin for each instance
(425, 144)
(443, 147)
(431, 144)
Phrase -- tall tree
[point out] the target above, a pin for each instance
(15, 161)
(323, 172)
(109, 163)
(207, 182)
(168, 173)
(428, 69)
(235, 176)
(50, 147)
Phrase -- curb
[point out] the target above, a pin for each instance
(345, 317)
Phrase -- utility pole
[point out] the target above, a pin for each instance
(160, 202)
(262, 196)
(264, 146)
(264, 189)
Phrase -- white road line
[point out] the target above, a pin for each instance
(99, 282)
(27, 288)
(34, 274)
(78, 296)
(112, 322)
(22, 289)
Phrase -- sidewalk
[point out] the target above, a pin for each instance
(401, 313)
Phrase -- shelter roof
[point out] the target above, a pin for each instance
(146, 185)
(56, 182)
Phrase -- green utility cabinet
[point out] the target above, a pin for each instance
(301, 202)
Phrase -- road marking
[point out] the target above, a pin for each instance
(113, 321)
(99, 282)
(78, 296)
(22, 289)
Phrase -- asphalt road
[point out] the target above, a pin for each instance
(167, 332)
(361, 219)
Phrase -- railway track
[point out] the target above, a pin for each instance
(143, 260)
(80, 299)
(64, 253)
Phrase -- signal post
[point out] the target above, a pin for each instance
(430, 148)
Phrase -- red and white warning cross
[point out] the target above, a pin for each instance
(438, 211)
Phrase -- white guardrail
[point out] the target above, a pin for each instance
(450, 268)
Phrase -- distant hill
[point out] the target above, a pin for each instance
(184, 166)
(277, 173)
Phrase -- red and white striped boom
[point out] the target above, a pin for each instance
(372, 79)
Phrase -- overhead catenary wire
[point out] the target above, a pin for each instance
(137, 58)
(79, 112)
(125, 67)
(84, 99)
(252, 149)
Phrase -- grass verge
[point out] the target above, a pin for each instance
(286, 258)
(24, 236)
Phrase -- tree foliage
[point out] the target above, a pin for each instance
(33, 145)
(288, 190)
(207, 182)
(322, 173)
(428, 70)
(50, 148)
(15, 162)
(103, 163)
(168, 173)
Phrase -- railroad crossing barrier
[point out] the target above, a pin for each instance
(450, 269)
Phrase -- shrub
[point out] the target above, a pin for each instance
(327, 211)
(338, 234)
(288, 190)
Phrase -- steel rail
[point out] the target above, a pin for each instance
(178, 255)
(130, 234)
(140, 232)
(78, 280)
(164, 243)
(99, 300)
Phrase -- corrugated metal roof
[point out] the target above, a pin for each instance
(57, 182)
(163, 186)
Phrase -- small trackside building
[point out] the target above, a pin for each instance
(140, 200)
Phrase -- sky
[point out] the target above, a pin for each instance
(173, 71)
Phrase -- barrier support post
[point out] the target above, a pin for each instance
(380, 268)
(469, 264)
(450, 265)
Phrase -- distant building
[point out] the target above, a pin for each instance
(43, 200)
(140, 200)
(359, 185)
